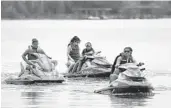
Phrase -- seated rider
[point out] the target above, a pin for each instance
(73, 52)
(31, 59)
(123, 58)
(44, 63)
(87, 54)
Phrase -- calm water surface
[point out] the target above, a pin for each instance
(78, 93)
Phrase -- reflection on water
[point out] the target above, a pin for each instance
(32, 97)
(79, 92)
(128, 102)
(74, 94)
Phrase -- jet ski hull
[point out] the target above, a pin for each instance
(127, 91)
(124, 87)
(90, 72)
(129, 82)
(31, 79)
(98, 67)
(25, 82)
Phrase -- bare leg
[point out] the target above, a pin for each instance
(88, 63)
(80, 65)
(22, 70)
(70, 67)
(114, 76)
(37, 72)
(38, 62)
(75, 67)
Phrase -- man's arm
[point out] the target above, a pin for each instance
(25, 59)
(134, 61)
(90, 52)
(138, 64)
(45, 54)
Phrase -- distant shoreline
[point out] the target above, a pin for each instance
(83, 10)
(82, 19)
(95, 18)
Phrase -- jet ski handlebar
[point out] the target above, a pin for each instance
(125, 66)
(142, 69)
(140, 64)
(98, 52)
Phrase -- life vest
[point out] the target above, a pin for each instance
(75, 52)
(124, 60)
(86, 51)
(31, 55)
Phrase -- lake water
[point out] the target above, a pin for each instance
(78, 92)
(108, 36)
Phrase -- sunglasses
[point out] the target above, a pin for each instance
(88, 46)
(126, 51)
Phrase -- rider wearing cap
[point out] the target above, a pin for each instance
(86, 55)
(88, 51)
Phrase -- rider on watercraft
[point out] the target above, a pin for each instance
(31, 59)
(123, 58)
(73, 52)
(87, 55)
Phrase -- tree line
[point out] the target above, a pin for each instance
(54, 9)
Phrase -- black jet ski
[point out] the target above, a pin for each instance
(99, 67)
(131, 81)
